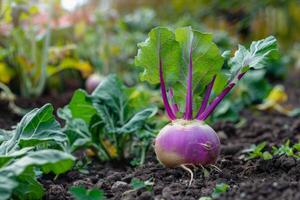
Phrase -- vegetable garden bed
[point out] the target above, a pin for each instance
(277, 178)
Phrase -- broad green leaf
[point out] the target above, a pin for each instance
(7, 185)
(160, 45)
(110, 102)
(138, 120)
(80, 193)
(81, 106)
(114, 117)
(5, 135)
(174, 49)
(253, 58)
(47, 160)
(29, 187)
(76, 130)
(5, 158)
(206, 59)
(37, 126)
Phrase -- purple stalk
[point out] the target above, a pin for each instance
(206, 97)
(218, 99)
(174, 105)
(169, 111)
(189, 94)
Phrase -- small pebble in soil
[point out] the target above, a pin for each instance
(146, 196)
(120, 186)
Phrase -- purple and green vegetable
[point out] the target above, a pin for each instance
(188, 66)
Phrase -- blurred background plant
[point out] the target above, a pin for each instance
(50, 46)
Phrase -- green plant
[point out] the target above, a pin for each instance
(29, 54)
(257, 151)
(111, 121)
(186, 64)
(285, 149)
(81, 193)
(137, 184)
(31, 148)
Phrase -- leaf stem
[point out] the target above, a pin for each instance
(174, 105)
(169, 111)
(206, 97)
(189, 94)
(219, 98)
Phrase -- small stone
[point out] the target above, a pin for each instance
(85, 182)
(120, 186)
(114, 177)
(146, 196)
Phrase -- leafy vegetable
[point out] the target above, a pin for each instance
(107, 120)
(185, 60)
(22, 154)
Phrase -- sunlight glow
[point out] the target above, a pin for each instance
(71, 5)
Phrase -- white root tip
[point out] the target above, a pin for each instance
(216, 168)
(190, 172)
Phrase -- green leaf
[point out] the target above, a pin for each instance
(255, 151)
(111, 103)
(76, 130)
(80, 193)
(160, 44)
(297, 146)
(81, 106)
(138, 120)
(115, 119)
(5, 158)
(253, 58)
(5, 135)
(267, 156)
(219, 189)
(206, 58)
(29, 187)
(46, 160)
(137, 184)
(174, 49)
(37, 126)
